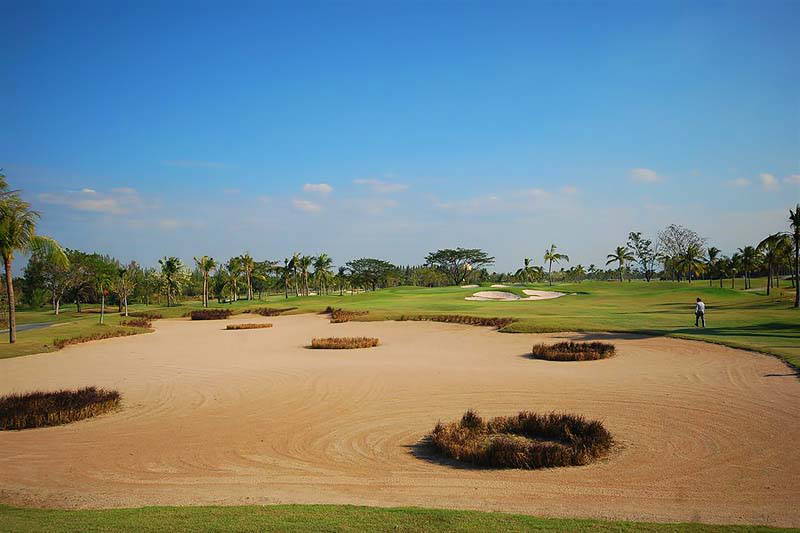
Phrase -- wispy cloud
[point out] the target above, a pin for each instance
(306, 205)
(119, 201)
(645, 175)
(188, 163)
(768, 181)
(794, 179)
(381, 187)
(739, 182)
(321, 188)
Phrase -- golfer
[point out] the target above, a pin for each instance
(699, 313)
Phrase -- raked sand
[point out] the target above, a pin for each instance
(707, 433)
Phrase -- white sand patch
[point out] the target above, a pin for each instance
(499, 296)
(542, 295)
(498, 286)
(468, 286)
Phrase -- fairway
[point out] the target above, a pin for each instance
(254, 417)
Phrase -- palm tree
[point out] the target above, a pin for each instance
(772, 248)
(205, 264)
(247, 265)
(550, 256)
(322, 272)
(692, 260)
(341, 279)
(18, 233)
(234, 267)
(734, 265)
(749, 256)
(124, 286)
(620, 255)
(794, 221)
(303, 264)
(713, 262)
(170, 268)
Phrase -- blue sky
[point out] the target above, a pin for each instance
(388, 129)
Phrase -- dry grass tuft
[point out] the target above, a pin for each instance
(60, 343)
(269, 311)
(146, 314)
(40, 409)
(527, 440)
(343, 343)
(462, 319)
(573, 351)
(210, 314)
(249, 326)
(341, 315)
(137, 323)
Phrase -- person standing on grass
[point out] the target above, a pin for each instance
(699, 313)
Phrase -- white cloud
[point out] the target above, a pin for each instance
(118, 202)
(321, 188)
(794, 179)
(306, 205)
(739, 182)
(645, 175)
(768, 181)
(569, 189)
(382, 187)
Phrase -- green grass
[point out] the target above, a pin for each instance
(317, 518)
(735, 318)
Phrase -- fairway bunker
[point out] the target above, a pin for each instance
(504, 296)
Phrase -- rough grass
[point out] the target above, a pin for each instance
(341, 315)
(100, 335)
(248, 326)
(269, 311)
(462, 319)
(343, 343)
(527, 440)
(210, 314)
(146, 314)
(137, 323)
(573, 351)
(40, 409)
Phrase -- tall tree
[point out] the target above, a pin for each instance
(248, 265)
(205, 265)
(692, 260)
(674, 243)
(621, 255)
(552, 256)
(18, 234)
(171, 269)
(322, 272)
(794, 221)
(125, 283)
(712, 261)
(457, 263)
(772, 248)
(369, 272)
(646, 253)
(749, 256)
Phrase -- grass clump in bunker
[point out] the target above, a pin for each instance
(248, 326)
(343, 343)
(573, 351)
(339, 316)
(40, 409)
(210, 314)
(527, 440)
(495, 322)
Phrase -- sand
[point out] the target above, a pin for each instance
(707, 433)
(503, 296)
(499, 286)
(469, 286)
(543, 295)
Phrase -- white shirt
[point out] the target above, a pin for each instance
(700, 308)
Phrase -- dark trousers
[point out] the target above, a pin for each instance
(699, 317)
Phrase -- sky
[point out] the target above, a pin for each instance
(388, 129)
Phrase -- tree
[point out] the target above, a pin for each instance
(550, 257)
(794, 222)
(749, 256)
(621, 255)
(674, 242)
(125, 283)
(170, 269)
(247, 265)
(772, 247)
(18, 233)
(341, 279)
(712, 261)
(692, 261)
(205, 265)
(303, 264)
(369, 272)
(457, 263)
(529, 273)
(322, 272)
(734, 266)
(646, 254)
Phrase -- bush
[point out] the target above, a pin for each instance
(527, 440)
(269, 311)
(136, 323)
(210, 314)
(462, 319)
(39, 409)
(341, 315)
(60, 343)
(342, 343)
(573, 351)
(249, 326)
(146, 314)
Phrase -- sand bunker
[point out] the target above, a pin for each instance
(468, 286)
(707, 433)
(502, 296)
(542, 295)
(499, 286)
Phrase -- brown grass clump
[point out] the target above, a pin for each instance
(146, 314)
(527, 440)
(462, 319)
(341, 315)
(60, 343)
(249, 326)
(39, 409)
(210, 314)
(343, 343)
(573, 351)
(137, 323)
(269, 311)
